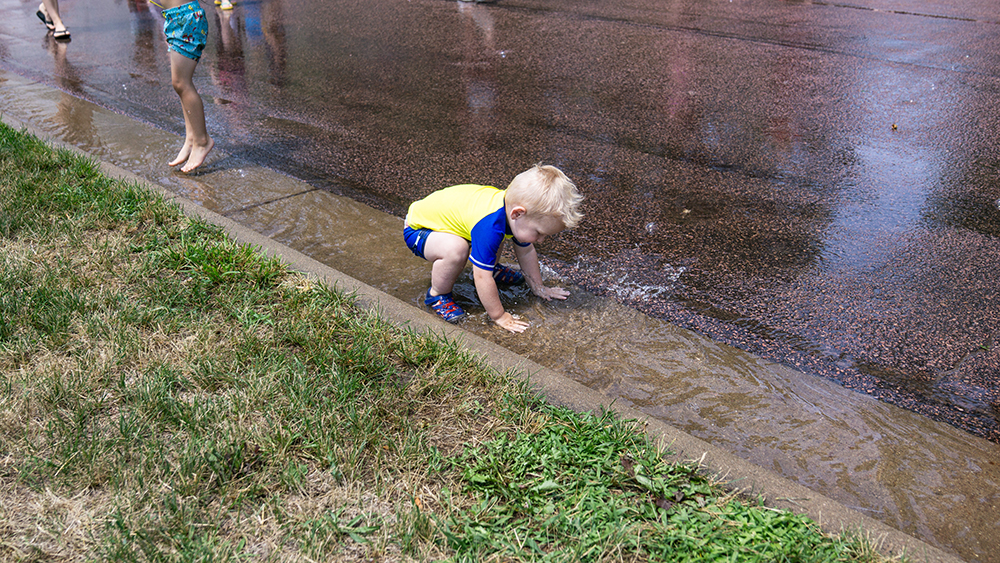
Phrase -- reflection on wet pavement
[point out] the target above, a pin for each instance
(790, 179)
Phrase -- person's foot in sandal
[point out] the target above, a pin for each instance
(61, 35)
(45, 17)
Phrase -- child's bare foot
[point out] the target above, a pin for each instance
(198, 154)
(183, 155)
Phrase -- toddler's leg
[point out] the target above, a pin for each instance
(197, 143)
(448, 253)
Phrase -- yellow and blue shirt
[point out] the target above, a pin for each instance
(473, 212)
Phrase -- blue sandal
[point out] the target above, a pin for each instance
(507, 275)
(444, 306)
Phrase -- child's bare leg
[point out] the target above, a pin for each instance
(448, 253)
(51, 9)
(182, 79)
(197, 143)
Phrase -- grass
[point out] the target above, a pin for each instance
(169, 395)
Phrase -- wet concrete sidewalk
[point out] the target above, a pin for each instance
(927, 479)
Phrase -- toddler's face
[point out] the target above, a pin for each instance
(530, 229)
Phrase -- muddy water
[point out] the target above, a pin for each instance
(924, 477)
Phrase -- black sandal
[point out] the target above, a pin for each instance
(61, 35)
(46, 20)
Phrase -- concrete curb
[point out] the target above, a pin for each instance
(559, 390)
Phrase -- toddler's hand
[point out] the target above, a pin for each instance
(549, 293)
(510, 323)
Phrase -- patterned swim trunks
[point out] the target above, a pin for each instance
(186, 29)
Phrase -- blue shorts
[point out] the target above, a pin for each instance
(416, 239)
(186, 29)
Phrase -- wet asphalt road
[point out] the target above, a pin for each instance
(813, 182)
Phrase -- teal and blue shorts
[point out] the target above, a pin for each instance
(186, 29)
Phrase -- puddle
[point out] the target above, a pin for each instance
(941, 488)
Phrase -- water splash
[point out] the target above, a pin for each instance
(626, 289)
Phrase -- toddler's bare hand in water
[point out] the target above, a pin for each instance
(508, 322)
(550, 293)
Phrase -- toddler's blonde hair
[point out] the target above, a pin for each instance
(546, 190)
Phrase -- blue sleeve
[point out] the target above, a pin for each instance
(487, 235)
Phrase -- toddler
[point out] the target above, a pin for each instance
(469, 223)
